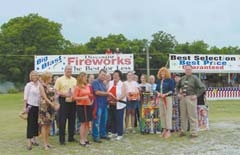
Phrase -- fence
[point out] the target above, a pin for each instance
(223, 93)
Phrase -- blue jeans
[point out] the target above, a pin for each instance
(119, 121)
(100, 123)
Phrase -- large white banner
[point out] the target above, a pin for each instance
(84, 63)
(205, 63)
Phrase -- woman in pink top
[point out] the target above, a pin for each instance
(133, 96)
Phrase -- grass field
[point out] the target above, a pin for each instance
(222, 138)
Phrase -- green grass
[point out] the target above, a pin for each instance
(224, 110)
(222, 138)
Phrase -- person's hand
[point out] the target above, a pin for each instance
(110, 94)
(164, 95)
(85, 97)
(25, 109)
(66, 95)
(51, 104)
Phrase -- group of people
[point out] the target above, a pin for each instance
(101, 104)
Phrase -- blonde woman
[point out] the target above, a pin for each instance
(84, 99)
(32, 96)
(46, 110)
(165, 89)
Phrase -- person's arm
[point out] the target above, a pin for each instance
(171, 87)
(158, 88)
(44, 96)
(97, 91)
(178, 88)
(170, 84)
(123, 92)
(201, 87)
(26, 94)
(102, 93)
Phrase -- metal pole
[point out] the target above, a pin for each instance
(147, 57)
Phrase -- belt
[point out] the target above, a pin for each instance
(188, 94)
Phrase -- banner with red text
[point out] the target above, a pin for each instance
(203, 63)
(84, 63)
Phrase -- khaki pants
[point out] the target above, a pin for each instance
(188, 111)
(166, 113)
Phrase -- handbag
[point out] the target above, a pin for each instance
(23, 115)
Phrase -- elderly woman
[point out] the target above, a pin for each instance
(118, 90)
(33, 92)
(46, 110)
(165, 89)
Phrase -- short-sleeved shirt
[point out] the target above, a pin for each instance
(32, 93)
(132, 86)
(98, 85)
(63, 84)
(80, 92)
(146, 86)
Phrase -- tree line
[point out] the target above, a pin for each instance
(23, 37)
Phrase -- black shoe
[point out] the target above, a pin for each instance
(62, 143)
(106, 138)
(97, 141)
(83, 145)
(35, 144)
(88, 142)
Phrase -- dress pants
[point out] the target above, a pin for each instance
(67, 111)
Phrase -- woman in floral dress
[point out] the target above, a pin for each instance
(46, 110)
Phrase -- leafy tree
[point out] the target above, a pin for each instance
(199, 47)
(214, 50)
(137, 47)
(183, 48)
(163, 42)
(230, 50)
(112, 41)
(74, 48)
(161, 45)
(21, 39)
(196, 47)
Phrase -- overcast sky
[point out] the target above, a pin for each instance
(217, 22)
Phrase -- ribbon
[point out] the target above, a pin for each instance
(164, 101)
